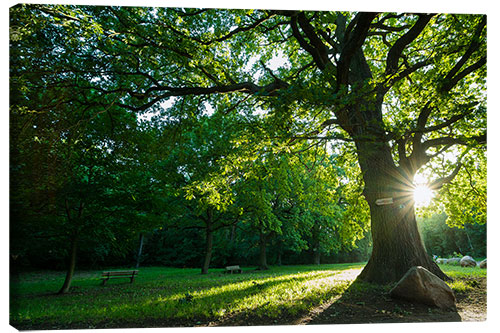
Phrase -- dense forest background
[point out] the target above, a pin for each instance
(172, 247)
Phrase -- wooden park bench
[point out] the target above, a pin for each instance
(118, 274)
(231, 269)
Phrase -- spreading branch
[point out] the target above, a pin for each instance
(315, 53)
(245, 87)
(438, 183)
(447, 140)
(317, 44)
(355, 40)
(450, 83)
(473, 47)
(400, 44)
(448, 122)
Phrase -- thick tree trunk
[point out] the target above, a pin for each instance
(397, 245)
(71, 265)
(262, 251)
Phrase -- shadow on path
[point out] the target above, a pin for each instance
(367, 303)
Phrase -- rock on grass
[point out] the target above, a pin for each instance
(420, 285)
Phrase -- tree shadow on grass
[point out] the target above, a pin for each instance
(360, 303)
(364, 303)
(172, 310)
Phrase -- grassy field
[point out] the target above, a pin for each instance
(183, 297)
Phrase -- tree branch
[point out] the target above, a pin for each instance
(472, 48)
(447, 140)
(398, 47)
(245, 87)
(448, 122)
(354, 43)
(449, 84)
(319, 47)
(222, 38)
(438, 183)
(304, 44)
(409, 70)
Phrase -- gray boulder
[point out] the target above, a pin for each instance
(420, 285)
(441, 261)
(454, 261)
(482, 264)
(467, 261)
(451, 261)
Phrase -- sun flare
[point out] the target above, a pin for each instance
(422, 195)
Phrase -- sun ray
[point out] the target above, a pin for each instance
(422, 195)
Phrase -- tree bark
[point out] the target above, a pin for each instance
(262, 251)
(317, 256)
(233, 233)
(397, 245)
(316, 245)
(468, 238)
(139, 251)
(208, 251)
(71, 264)
(209, 243)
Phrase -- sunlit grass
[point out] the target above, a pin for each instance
(165, 293)
(186, 296)
(463, 272)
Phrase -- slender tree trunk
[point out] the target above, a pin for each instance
(317, 256)
(209, 243)
(280, 250)
(397, 245)
(316, 241)
(71, 264)
(262, 249)
(139, 251)
(208, 251)
(468, 238)
(73, 246)
(233, 233)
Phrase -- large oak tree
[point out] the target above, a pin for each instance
(402, 89)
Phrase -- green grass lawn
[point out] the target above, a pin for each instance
(461, 275)
(181, 296)
(174, 294)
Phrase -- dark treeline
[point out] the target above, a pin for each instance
(185, 248)
(181, 249)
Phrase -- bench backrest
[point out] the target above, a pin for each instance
(118, 273)
(230, 268)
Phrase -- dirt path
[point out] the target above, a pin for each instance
(374, 306)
